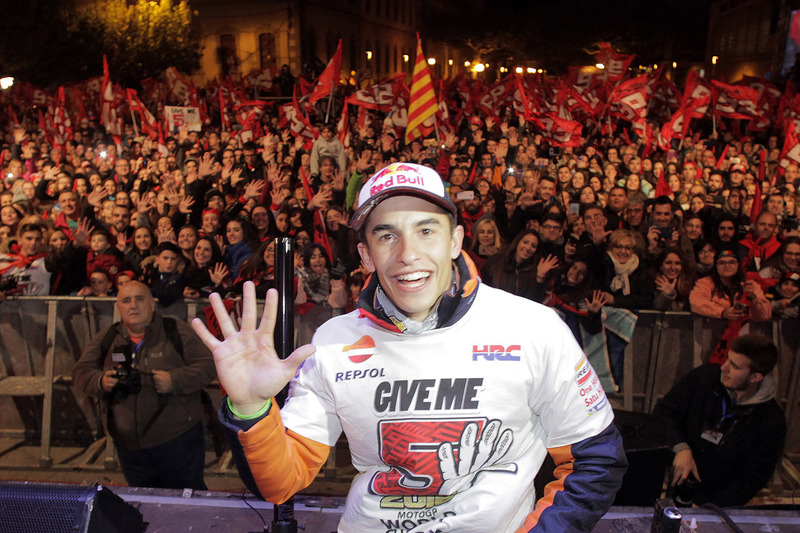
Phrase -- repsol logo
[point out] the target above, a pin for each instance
(427, 395)
(351, 375)
(496, 352)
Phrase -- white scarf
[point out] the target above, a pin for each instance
(622, 271)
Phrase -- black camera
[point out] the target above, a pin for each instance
(129, 380)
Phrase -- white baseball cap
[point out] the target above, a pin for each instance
(401, 179)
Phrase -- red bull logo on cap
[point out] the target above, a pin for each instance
(396, 175)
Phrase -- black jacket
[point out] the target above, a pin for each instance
(743, 461)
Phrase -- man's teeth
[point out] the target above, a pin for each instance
(415, 276)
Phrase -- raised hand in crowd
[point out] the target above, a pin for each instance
(220, 240)
(96, 197)
(248, 366)
(279, 195)
(166, 235)
(185, 205)
(122, 243)
(236, 177)
(450, 140)
(145, 204)
(597, 302)
(28, 150)
(253, 189)
(666, 286)
(205, 167)
(489, 123)
(273, 172)
(477, 136)
(545, 266)
(19, 134)
(218, 273)
(191, 176)
(321, 199)
(83, 231)
(337, 184)
(286, 136)
(364, 161)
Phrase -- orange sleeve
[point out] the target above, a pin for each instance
(281, 461)
(563, 458)
(497, 177)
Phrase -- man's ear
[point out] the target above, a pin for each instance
(755, 377)
(456, 240)
(364, 253)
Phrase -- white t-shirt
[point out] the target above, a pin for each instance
(492, 391)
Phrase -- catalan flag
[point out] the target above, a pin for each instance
(423, 104)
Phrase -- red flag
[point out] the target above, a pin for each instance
(734, 101)
(615, 64)
(320, 230)
(343, 126)
(112, 123)
(149, 125)
(261, 79)
(560, 131)
(662, 186)
(629, 100)
(329, 78)
(422, 104)
(380, 96)
(791, 147)
(226, 125)
(298, 125)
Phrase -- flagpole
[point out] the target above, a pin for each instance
(133, 118)
(330, 99)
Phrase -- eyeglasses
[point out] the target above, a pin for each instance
(550, 226)
(623, 247)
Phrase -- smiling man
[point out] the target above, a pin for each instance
(450, 392)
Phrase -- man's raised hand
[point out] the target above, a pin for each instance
(247, 365)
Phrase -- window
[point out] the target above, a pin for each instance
(266, 49)
(227, 54)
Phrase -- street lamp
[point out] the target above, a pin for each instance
(6, 82)
(518, 70)
(714, 60)
(431, 61)
(405, 58)
(369, 55)
(600, 66)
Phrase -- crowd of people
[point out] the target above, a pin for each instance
(580, 229)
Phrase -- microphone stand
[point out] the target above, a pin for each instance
(283, 521)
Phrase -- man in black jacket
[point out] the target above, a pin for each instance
(725, 427)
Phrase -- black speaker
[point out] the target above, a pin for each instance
(648, 455)
(645, 444)
(55, 508)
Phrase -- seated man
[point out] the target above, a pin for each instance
(725, 427)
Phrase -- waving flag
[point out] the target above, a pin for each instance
(423, 104)
(734, 101)
(629, 100)
(112, 123)
(329, 77)
(616, 64)
(380, 96)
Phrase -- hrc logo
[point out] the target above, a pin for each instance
(496, 352)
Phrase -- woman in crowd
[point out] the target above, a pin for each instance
(705, 255)
(260, 269)
(143, 245)
(513, 269)
(187, 238)
(785, 260)
(726, 293)
(319, 297)
(206, 272)
(485, 241)
(674, 281)
(626, 282)
(240, 240)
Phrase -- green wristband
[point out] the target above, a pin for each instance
(261, 412)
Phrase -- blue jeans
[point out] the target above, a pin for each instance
(177, 464)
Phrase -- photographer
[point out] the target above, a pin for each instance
(148, 371)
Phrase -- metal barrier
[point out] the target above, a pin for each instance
(41, 338)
